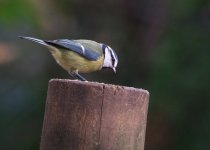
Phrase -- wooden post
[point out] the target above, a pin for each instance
(94, 116)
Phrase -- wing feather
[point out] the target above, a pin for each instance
(77, 47)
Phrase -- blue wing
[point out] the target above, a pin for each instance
(77, 47)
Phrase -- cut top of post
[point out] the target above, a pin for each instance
(87, 83)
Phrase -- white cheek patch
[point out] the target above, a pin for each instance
(113, 55)
(115, 63)
(115, 58)
(107, 59)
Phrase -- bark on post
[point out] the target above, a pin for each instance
(94, 116)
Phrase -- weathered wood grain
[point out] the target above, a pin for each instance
(94, 116)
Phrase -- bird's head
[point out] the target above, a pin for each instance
(110, 58)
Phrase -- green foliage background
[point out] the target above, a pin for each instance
(163, 47)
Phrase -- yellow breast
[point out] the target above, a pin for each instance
(72, 61)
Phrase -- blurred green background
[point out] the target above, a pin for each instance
(163, 47)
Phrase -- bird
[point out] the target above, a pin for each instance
(79, 56)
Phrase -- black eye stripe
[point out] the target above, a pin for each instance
(113, 58)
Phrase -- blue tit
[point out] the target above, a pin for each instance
(79, 56)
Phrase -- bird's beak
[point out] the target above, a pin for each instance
(114, 69)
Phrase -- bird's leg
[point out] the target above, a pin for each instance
(77, 75)
(80, 77)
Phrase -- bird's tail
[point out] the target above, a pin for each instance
(34, 40)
